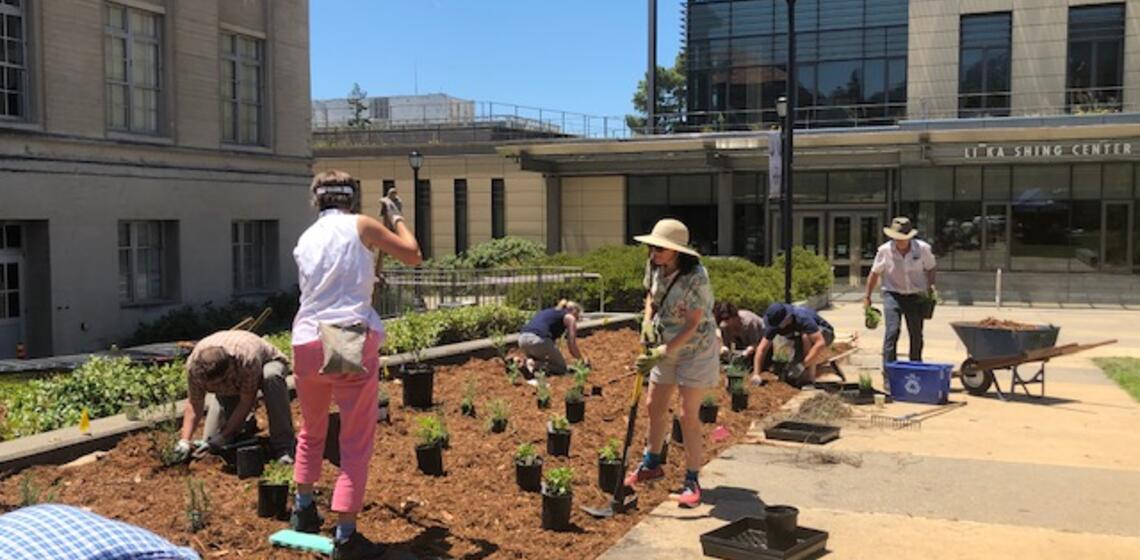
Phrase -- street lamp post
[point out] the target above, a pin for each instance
(788, 115)
(416, 160)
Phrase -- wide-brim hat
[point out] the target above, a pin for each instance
(669, 234)
(901, 229)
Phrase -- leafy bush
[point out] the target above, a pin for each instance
(558, 481)
(811, 273)
(504, 252)
(430, 430)
(447, 326)
(101, 385)
(195, 322)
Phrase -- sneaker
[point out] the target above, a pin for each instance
(690, 496)
(357, 547)
(642, 474)
(306, 520)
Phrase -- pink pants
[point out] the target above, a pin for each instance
(355, 396)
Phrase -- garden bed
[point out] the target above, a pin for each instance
(475, 511)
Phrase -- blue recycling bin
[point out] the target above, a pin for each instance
(919, 382)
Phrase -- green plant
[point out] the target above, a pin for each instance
(581, 372)
(277, 474)
(709, 400)
(737, 386)
(197, 505)
(871, 317)
(574, 394)
(611, 452)
(865, 383)
(430, 430)
(32, 493)
(469, 390)
(193, 322)
(559, 423)
(514, 372)
(559, 481)
(542, 388)
(526, 454)
(432, 328)
(499, 411)
(499, 341)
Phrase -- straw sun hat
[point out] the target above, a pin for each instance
(901, 229)
(669, 234)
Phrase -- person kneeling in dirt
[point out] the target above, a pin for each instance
(740, 331)
(227, 369)
(537, 338)
(809, 333)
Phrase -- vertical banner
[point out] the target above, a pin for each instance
(775, 164)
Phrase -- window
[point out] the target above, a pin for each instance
(748, 192)
(143, 267)
(388, 184)
(689, 198)
(423, 217)
(254, 255)
(984, 65)
(13, 60)
(498, 209)
(241, 88)
(460, 215)
(1096, 58)
(132, 67)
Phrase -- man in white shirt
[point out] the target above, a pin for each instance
(907, 269)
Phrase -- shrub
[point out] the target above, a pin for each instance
(811, 273)
(558, 481)
(526, 454)
(611, 452)
(447, 326)
(574, 394)
(559, 423)
(277, 473)
(190, 322)
(101, 385)
(503, 252)
(499, 411)
(430, 430)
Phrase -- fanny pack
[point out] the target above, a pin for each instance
(343, 348)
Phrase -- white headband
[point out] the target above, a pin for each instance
(335, 189)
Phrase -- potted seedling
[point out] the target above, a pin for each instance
(739, 393)
(383, 410)
(514, 372)
(709, 409)
(575, 404)
(528, 468)
(250, 461)
(735, 370)
(678, 434)
(542, 390)
(872, 317)
(499, 414)
(929, 300)
(197, 505)
(467, 405)
(581, 372)
(499, 341)
(557, 499)
(865, 385)
(558, 437)
(609, 465)
(430, 434)
(418, 376)
(273, 491)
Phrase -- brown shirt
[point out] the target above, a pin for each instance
(249, 352)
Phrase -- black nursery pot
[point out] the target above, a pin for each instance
(609, 473)
(576, 411)
(708, 413)
(419, 382)
(739, 401)
(273, 501)
(467, 410)
(596, 390)
(780, 524)
(556, 511)
(678, 435)
(499, 426)
(542, 403)
(429, 458)
(557, 443)
(250, 462)
(529, 477)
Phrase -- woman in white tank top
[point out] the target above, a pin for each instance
(336, 273)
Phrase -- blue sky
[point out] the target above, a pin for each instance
(584, 56)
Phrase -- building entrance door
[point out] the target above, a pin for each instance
(855, 238)
(12, 302)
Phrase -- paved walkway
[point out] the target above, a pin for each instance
(1057, 478)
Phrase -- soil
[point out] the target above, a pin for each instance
(475, 511)
(994, 323)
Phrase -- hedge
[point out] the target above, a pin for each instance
(196, 322)
(447, 326)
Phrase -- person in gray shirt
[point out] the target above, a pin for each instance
(740, 330)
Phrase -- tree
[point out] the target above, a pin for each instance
(671, 98)
(357, 102)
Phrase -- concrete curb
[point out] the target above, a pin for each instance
(67, 444)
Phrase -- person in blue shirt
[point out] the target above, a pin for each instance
(537, 338)
(809, 333)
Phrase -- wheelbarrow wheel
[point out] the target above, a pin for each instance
(976, 382)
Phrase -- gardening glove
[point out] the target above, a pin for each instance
(181, 451)
(216, 442)
(199, 448)
(648, 332)
(650, 358)
(795, 371)
(390, 210)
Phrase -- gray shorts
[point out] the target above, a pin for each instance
(543, 351)
(699, 372)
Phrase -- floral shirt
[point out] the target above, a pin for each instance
(691, 291)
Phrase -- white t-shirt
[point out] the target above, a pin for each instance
(336, 272)
(904, 273)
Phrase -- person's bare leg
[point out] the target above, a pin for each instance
(657, 408)
(691, 427)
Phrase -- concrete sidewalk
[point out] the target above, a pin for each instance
(1052, 478)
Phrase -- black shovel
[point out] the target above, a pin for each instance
(624, 499)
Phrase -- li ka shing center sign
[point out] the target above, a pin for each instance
(1047, 152)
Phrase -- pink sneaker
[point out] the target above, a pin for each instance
(690, 496)
(642, 474)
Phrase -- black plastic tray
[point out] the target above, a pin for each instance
(802, 432)
(747, 539)
(856, 398)
(835, 386)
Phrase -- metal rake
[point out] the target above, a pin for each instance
(912, 421)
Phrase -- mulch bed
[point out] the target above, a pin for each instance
(475, 511)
